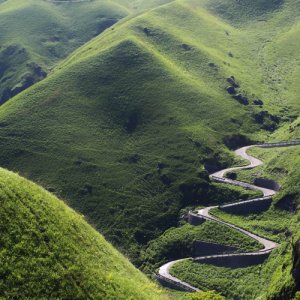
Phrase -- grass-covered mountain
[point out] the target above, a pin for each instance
(126, 128)
(49, 252)
(37, 34)
(279, 275)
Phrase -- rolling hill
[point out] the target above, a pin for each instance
(49, 252)
(37, 34)
(127, 128)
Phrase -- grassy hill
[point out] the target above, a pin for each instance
(177, 243)
(281, 223)
(127, 127)
(49, 252)
(37, 34)
(278, 277)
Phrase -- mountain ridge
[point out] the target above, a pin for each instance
(49, 251)
(129, 126)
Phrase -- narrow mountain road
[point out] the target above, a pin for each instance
(164, 271)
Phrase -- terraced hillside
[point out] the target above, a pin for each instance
(128, 126)
(49, 252)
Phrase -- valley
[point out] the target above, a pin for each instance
(124, 109)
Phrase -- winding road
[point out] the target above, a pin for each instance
(164, 275)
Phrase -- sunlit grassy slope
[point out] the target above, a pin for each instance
(36, 34)
(126, 126)
(49, 252)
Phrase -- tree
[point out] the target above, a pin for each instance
(297, 296)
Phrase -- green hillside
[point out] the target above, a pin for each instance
(127, 127)
(177, 243)
(278, 277)
(49, 252)
(280, 273)
(36, 34)
(282, 166)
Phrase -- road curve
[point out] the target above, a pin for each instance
(164, 271)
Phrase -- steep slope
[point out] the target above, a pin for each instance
(36, 34)
(49, 252)
(280, 222)
(275, 280)
(137, 6)
(279, 275)
(272, 29)
(128, 126)
(103, 143)
(244, 11)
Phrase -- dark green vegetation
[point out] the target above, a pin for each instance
(261, 281)
(177, 243)
(201, 295)
(280, 223)
(127, 141)
(128, 127)
(204, 296)
(36, 34)
(50, 252)
(122, 156)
